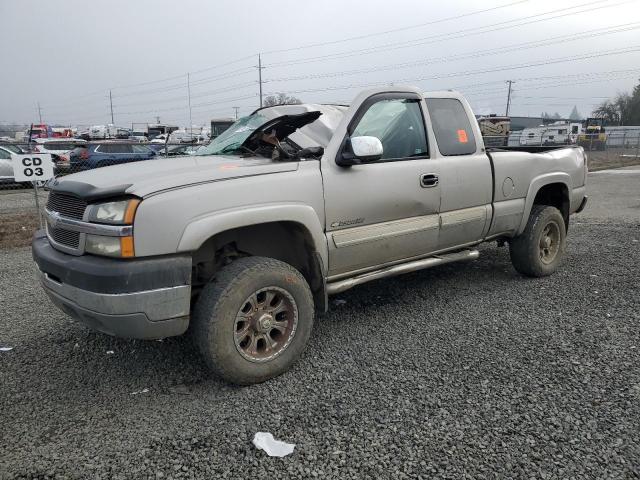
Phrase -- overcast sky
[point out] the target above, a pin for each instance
(68, 54)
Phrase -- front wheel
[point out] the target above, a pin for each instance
(252, 322)
(539, 250)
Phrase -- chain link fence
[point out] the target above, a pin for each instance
(613, 148)
(22, 204)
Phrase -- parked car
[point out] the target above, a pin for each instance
(39, 131)
(12, 147)
(156, 147)
(59, 148)
(123, 133)
(162, 138)
(175, 150)
(6, 167)
(103, 154)
(246, 239)
(138, 137)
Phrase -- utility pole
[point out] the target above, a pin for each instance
(189, 96)
(111, 104)
(40, 113)
(260, 67)
(508, 97)
(236, 109)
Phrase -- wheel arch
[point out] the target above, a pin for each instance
(292, 234)
(550, 189)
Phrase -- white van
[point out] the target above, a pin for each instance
(102, 132)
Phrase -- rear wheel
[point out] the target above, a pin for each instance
(539, 250)
(252, 322)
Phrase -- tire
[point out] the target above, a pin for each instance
(221, 318)
(539, 250)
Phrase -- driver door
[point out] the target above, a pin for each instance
(383, 211)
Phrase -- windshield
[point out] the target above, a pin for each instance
(13, 148)
(232, 138)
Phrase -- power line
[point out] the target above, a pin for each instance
(248, 69)
(375, 49)
(572, 58)
(223, 76)
(475, 54)
(185, 98)
(224, 90)
(395, 30)
(470, 89)
(451, 35)
(178, 86)
(176, 77)
(165, 88)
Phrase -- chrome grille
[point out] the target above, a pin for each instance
(66, 205)
(64, 237)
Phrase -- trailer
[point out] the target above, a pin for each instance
(219, 125)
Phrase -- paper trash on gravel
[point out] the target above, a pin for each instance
(273, 448)
(6, 349)
(144, 390)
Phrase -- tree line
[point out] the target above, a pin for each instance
(623, 109)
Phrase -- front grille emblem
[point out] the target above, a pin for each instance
(54, 218)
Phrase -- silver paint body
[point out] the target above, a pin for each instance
(361, 218)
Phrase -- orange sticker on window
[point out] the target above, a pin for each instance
(462, 136)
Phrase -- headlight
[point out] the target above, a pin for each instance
(121, 247)
(121, 212)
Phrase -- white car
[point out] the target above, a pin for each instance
(59, 148)
(6, 168)
(162, 138)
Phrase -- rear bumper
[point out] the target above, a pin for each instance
(142, 298)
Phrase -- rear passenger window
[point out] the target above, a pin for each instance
(105, 148)
(58, 146)
(119, 148)
(140, 149)
(451, 126)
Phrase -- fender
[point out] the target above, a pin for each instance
(203, 228)
(536, 184)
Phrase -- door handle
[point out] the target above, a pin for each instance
(428, 180)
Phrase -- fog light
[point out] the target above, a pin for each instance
(109, 246)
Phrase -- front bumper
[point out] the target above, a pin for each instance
(583, 204)
(138, 298)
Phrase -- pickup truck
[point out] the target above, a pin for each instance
(243, 243)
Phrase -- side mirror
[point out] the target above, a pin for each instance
(360, 150)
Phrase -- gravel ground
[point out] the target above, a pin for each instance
(20, 200)
(464, 371)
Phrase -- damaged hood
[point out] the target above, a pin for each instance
(284, 125)
(318, 132)
(150, 176)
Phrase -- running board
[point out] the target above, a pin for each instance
(342, 285)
